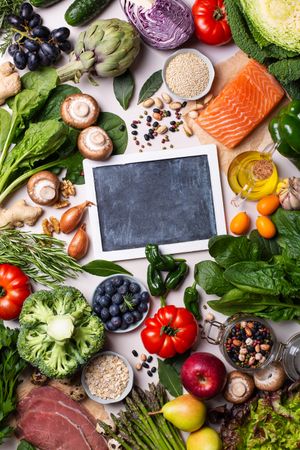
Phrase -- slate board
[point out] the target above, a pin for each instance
(164, 201)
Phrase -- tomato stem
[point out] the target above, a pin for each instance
(2, 291)
(218, 14)
(167, 329)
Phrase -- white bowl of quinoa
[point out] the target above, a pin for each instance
(188, 74)
(107, 378)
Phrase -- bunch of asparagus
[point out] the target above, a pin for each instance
(137, 430)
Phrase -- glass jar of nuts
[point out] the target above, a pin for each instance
(248, 343)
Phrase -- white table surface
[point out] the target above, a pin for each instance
(148, 61)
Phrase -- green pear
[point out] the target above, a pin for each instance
(204, 439)
(185, 412)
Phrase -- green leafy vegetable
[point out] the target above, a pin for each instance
(123, 88)
(151, 86)
(51, 109)
(116, 129)
(24, 445)
(11, 366)
(170, 378)
(6, 32)
(268, 247)
(103, 268)
(58, 332)
(288, 228)
(41, 81)
(210, 276)
(4, 126)
(228, 250)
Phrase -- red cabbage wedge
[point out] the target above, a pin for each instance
(164, 24)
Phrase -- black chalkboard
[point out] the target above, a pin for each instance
(164, 201)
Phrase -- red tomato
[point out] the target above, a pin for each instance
(14, 289)
(172, 330)
(211, 24)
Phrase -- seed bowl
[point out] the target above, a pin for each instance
(211, 73)
(126, 390)
(132, 297)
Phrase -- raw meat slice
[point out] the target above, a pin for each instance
(241, 105)
(52, 421)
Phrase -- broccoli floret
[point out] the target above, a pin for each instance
(58, 331)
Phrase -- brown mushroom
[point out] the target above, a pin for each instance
(43, 188)
(239, 387)
(94, 143)
(271, 378)
(79, 110)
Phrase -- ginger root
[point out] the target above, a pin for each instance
(10, 83)
(19, 214)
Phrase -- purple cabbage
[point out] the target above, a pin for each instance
(166, 25)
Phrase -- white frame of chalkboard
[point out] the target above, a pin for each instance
(182, 247)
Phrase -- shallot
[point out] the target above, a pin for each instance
(72, 217)
(79, 244)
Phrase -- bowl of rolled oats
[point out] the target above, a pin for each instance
(188, 74)
(107, 378)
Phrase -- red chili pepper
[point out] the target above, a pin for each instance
(172, 330)
(14, 289)
(211, 26)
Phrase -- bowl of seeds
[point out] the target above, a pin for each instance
(188, 74)
(107, 378)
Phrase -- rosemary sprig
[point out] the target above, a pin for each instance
(41, 257)
(6, 33)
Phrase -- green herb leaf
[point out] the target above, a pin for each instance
(228, 250)
(103, 268)
(169, 378)
(151, 86)
(24, 445)
(52, 108)
(116, 129)
(41, 81)
(210, 276)
(123, 88)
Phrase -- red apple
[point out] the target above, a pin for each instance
(203, 375)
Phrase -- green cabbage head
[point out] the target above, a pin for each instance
(276, 21)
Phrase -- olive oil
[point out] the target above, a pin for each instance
(253, 175)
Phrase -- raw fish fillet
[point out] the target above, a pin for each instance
(241, 105)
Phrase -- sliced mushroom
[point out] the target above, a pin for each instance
(43, 188)
(239, 387)
(94, 143)
(271, 378)
(80, 111)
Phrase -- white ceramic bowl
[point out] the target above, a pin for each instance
(126, 390)
(143, 288)
(211, 73)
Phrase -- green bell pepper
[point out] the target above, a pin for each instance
(191, 300)
(161, 262)
(155, 281)
(175, 278)
(285, 131)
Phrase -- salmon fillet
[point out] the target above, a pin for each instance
(241, 105)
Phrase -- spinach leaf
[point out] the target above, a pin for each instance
(236, 301)
(279, 313)
(103, 268)
(116, 129)
(41, 81)
(73, 164)
(288, 229)
(151, 85)
(57, 96)
(259, 277)
(169, 378)
(123, 88)
(209, 275)
(228, 250)
(268, 247)
(4, 126)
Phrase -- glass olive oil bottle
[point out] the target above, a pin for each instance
(253, 175)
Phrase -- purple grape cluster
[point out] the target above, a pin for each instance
(34, 44)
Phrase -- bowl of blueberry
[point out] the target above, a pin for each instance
(122, 303)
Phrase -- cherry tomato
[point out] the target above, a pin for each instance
(267, 205)
(172, 330)
(14, 289)
(210, 20)
(265, 227)
(240, 224)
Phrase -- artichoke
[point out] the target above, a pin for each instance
(106, 49)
